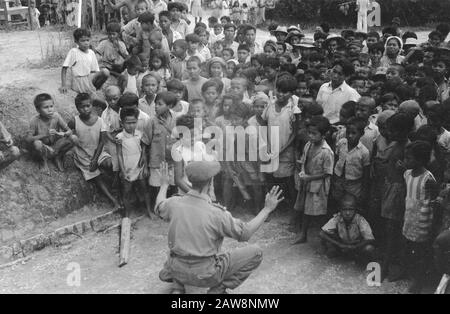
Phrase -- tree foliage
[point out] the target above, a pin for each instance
(411, 12)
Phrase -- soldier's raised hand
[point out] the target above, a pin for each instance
(273, 198)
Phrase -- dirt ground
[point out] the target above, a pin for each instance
(26, 63)
(285, 268)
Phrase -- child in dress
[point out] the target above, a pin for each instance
(89, 138)
(196, 10)
(317, 168)
(132, 161)
(236, 13)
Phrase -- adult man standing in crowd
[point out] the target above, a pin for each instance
(334, 94)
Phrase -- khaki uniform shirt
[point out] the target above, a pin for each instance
(197, 227)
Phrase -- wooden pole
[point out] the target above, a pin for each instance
(7, 18)
(443, 284)
(94, 15)
(80, 13)
(30, 23)
(125, 241)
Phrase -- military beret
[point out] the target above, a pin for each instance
(201, 171)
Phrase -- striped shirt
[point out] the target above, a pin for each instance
(418, 212)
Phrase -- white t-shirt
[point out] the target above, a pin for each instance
(81, 63)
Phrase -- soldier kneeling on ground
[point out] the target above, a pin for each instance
(197, 228)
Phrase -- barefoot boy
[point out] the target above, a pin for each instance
(89, 134)
(348, 232)
(48, 133)
(132, 160)
(86, 74)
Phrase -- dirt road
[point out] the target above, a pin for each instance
(285, 268)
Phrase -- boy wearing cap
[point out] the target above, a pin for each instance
(348, 232)
(197, 228)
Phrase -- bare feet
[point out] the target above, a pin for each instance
(151, 214)
(59, 164)
(301, 238)
(45, 168)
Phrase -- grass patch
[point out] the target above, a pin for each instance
(53, 49)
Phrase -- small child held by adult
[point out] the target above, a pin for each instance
(48, 134)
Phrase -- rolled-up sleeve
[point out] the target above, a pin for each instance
(163, 209)
(232, 227)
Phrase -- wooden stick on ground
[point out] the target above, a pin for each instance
(443, 284)
(125, 241)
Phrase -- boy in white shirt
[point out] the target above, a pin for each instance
(86, 74)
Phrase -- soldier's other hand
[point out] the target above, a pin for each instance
(164, 174)
(273, 198)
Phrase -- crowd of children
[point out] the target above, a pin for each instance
(362, 121)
